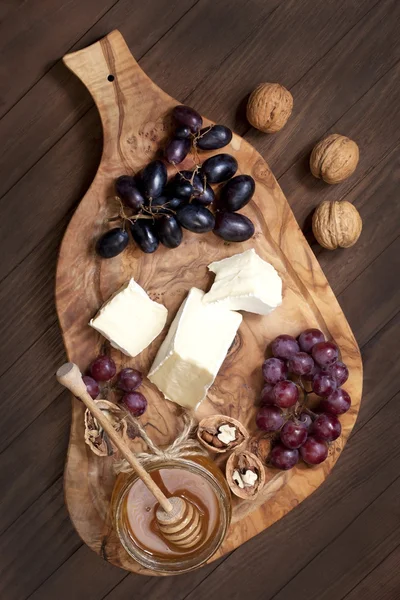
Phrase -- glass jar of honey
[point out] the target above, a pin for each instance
(198, 480)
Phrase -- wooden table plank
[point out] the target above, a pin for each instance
(380, 298)
(59, 100)
(373, 535)
(34, 460)
(38, 542)
(50, 28)
(382, 583)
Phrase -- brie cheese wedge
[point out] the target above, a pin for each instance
(193, 351)
(245, 282)
(130, 320)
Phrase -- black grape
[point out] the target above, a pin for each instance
(236, 193)
(182, 132)
(112, 243)
(219, 168)
(195, 218)
(127, 189)
(206, 197)
(169, 231)
(213, 139)
(232, 227)
(180, 188)
(177, 150)
(153, 179)
(144, 234)
(184, 115)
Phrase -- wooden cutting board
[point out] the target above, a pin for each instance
(135, 118)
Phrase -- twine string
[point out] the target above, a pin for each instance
(185, 444)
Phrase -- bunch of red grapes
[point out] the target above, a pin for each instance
(311, 360)
(103, 369)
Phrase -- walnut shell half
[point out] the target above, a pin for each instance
(334, 158)
(209, 429)
(269, 107)
(238, 466)
(336, 224)
(95, 436)
(261, 447)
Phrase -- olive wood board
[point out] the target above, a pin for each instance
(135, 116)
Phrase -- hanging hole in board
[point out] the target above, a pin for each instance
(111, 78)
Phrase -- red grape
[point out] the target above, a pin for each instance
(135, 402)
(339, 372)
(313, 451)
(103, 368)
(92, 386)
(284, 346)
(326, 427)
(306, 419)
(274, 370)
(325, 353)
(284, 458)
(266, 394)
(337, 403)
(285, 394)
(301, 363)
(314, 371)
(310, 337)
(293, 435)
(129, 380)
(323, 384)
(269, 418)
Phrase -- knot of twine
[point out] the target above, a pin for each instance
(184, 445)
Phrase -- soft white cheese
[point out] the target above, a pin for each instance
(193, 351)
(245, 282)
(130, 320)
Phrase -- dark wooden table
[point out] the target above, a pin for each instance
(340, 59)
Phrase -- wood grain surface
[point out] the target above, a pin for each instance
(135, 119)
(340, 60)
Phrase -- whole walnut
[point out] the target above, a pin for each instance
(334, 158)
(269, 107)
(336, 224)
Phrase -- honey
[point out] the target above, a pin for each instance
(198, 481)
(140, 507)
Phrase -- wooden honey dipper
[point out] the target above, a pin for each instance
(179, 520)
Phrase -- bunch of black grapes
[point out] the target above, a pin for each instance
(161, 209)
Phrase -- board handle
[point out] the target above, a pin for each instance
(125, 97)
(104, 67)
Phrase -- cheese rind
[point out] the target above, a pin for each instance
(130, 320)
(245, 282)
(193, 351)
